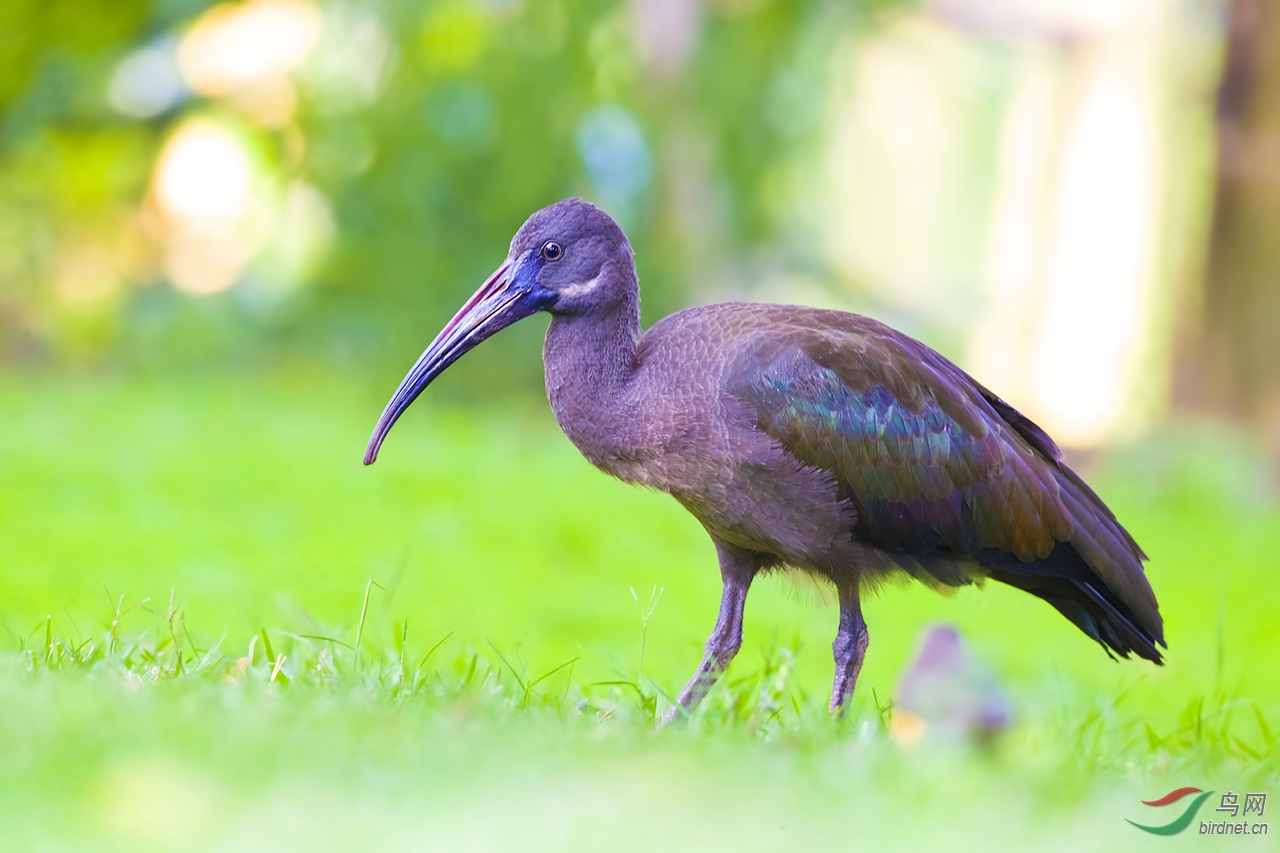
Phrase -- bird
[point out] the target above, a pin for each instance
(803, 440)
(948, 692)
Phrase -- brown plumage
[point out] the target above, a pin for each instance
(817, 441)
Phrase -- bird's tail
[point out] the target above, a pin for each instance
(1095, 579)
(1089, 605)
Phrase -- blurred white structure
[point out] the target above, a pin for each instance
(1015, 174)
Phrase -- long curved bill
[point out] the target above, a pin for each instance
(498, 303)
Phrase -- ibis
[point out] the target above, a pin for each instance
(802, 440)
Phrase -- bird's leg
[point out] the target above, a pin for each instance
(737, 568)
(850, 646)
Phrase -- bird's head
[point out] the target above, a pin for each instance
(569, 258)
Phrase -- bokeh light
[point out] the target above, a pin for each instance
(236, 45)
(203, 186)
(147, 83)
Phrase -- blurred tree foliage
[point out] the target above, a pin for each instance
(480, 112)
(67, 162)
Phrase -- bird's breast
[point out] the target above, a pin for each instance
(607, 430)
(665, 435)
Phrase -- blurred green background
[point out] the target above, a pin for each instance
(226, 230)
(1074, 201)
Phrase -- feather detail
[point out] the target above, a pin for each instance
(943, 475)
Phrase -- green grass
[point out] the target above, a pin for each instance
(184, 581)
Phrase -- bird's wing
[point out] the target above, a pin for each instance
(933, 462)
(925, 457)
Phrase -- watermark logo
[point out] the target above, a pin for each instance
(1230, 803)
(1183, 820)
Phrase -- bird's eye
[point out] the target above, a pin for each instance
(552, 251)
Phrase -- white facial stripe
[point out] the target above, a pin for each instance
(581, 289)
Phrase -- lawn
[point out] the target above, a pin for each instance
(194, 655)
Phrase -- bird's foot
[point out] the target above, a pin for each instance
(849, 649)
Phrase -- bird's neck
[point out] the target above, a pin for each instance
(590, 363)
